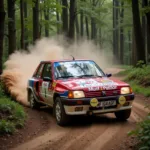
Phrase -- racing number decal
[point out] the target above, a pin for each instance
(45, 86)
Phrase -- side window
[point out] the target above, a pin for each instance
(47, 72)
(39, 71)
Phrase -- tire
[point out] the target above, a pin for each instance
(62, 118)
(33, 103)
(123, 114)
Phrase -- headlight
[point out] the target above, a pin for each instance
(76, 94)
(126, 90)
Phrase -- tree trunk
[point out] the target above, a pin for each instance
(122, 34)
(146, 3)
(87, 27)
(2, 21)
(148, 45)
(129, 38)
(81, 23)
(58, 19)
(117, 29)
(65, 16)
(22, 24)
(134, 52)
(140, 48)
(35, 20)
(11, 26)
(77, 28)
(25, 28)
(46, 15)
(72, 19)
(93, 25)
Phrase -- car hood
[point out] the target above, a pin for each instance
(92, 84)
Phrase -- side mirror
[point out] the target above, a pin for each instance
(108, 75)
(48, 79)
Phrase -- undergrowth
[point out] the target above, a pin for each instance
(139, 79)
(12, 115)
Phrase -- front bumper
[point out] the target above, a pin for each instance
(72, 107)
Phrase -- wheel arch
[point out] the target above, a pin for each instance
(55, 95)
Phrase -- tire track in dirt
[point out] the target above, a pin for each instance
(101, 133)
(67, 138)
(41, 140)
(81, 141)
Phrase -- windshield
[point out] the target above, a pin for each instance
(76, 69)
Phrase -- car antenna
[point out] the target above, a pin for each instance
(73, 57)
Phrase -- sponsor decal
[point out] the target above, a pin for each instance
(45, 86)
(54, 84)
(94, 102)
(122, 100)
(93, 85)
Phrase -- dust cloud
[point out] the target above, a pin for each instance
(21, 65)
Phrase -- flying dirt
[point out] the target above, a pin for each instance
(21, 64)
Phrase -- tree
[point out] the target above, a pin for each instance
(2, 21)
(140, 47)
(25, 28)
(87, 27)
(115, 29)
(81, 23)
(93, 23)
(58, 19)
(146, 5)
(77, 28)
(11, 26)
(121, 34)
(65, 16)
(72, 18)
(46, 16)
(22, 24)
(35, 20)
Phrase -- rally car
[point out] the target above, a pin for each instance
(78, 87)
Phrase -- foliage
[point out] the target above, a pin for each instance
(6, 127)
(140, 89)
(139, 79)
(137, 75)
(12, 114)
(143, 134)
(140, 75)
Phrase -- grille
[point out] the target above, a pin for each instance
(98, 93)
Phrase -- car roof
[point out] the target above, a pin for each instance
(63, 60)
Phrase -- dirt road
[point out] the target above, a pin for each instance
(97, 133)
(102, 132)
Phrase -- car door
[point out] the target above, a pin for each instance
(46, 92)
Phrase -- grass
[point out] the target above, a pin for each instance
(140, 89)
(139, 79)
(12, 115)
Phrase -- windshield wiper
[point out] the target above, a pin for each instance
(65, 77)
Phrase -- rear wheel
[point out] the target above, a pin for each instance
(61, 117)
(32, 101)
(123, 114)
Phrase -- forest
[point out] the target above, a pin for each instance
(120, 27)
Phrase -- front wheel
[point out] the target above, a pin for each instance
(123, 114)
(61, 117)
